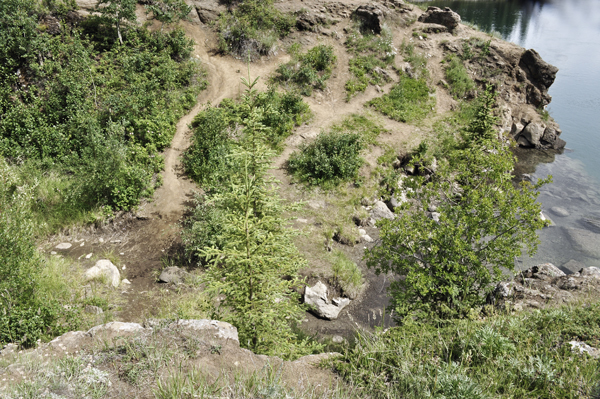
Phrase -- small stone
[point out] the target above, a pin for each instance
(52, 252)
(89, 255)
(362, 232)
(101, 240)
(82, 244)
(559, 211)
(124, 267)
(125, 281)
(64, 245)
(299, 220)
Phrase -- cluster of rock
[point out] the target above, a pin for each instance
(316, 297)
(544, 284)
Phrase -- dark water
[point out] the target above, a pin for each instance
(566, 33)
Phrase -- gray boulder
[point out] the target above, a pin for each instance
(559, 211)
(316, 296)
(173, 275)
(104, 270)
(445, 17)
(381, 211)
(533, 132)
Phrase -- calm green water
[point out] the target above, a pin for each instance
(566, 33)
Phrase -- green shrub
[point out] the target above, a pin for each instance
(408, 101)
(253, 28)
(460, 82)
(332, 158)
(206, 158)
(309, 70)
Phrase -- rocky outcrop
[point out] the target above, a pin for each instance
(371, 16)
(208, 10)
(540, 74)
(381, 211)
(543, 284)
(316, 297)
(445, 17)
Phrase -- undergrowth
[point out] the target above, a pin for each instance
(458, 78)
(524, 355)
(371, 56)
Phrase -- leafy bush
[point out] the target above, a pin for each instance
(524, 355)
(332, 158)
(309, 70)
(372, 55)
(253, 28)
(206, 158)
(407, 101)
(460, 82)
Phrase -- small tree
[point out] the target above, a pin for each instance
(116, 11)
(448, 264)
(168, 11)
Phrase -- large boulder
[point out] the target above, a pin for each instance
(371, 16)
(445, 17)
(316, 296)
(104, 270)
(208, 10)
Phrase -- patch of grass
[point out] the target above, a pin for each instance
(362, 124)
(347, 274)
(332, 158)
(524, 355)
(307, 71)
(408, 101)
(458, 78)
(417, 60)
(253, 28)
(372, 54)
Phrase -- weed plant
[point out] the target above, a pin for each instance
(307, 71)
(524, 355)
(372, 54)
(347, 274)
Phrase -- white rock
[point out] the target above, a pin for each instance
(64, 245)
(317, 297)
(300, 220)
(52, 252)
(89, 255)
(101, 239)
(82, 244)
(581, 348)
(104, 269)
(116, 328)
(125, 281)
(381, 211)
(367, 238)
(362, 232)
